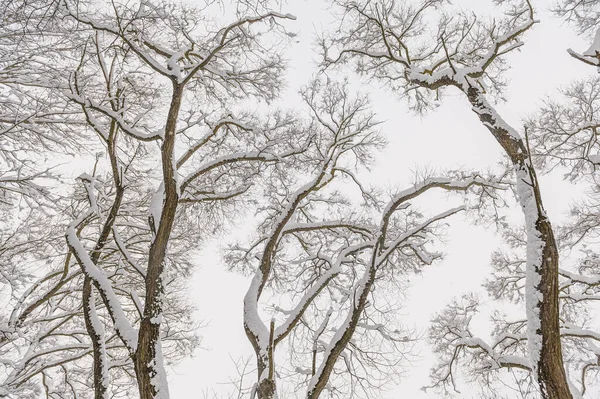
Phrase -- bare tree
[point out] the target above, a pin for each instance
(585, 16)
(332, 258)
(562, 138)
(390, 42)
(148, 83)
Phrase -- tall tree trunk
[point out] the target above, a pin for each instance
(149, 368)
(542, 257)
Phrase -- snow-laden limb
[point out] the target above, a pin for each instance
(95, 276)
(456, 346)
(584, 15)
(337, 138)
(459, 351)
(585, 57)
(94, 325)
(122, 324)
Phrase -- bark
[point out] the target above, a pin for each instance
(266, 387)
(148, 364)
(550, 370)
(100, 388)
(342, 342)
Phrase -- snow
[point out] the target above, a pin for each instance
(89, 182)
(589, 280)
(595, 47)
(160, 299)
(159, 379)
(485, 108)
(580, 332)
(126, 331)
(173, 64)
(252, 320)
(575, 392)
(512, 359)
(156, 206)
(535, 247)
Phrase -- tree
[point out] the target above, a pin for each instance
(389, 42)
(585, 16)
(132, 74)
(332, 258)
(563, 138)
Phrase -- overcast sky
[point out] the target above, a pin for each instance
(450, 137)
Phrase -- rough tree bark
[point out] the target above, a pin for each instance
(148, 356)
(550, 369)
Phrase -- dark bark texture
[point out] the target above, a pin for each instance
(149, 333)
(551, 375)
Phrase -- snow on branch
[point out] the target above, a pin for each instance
(122, 324)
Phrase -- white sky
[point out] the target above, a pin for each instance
(450, 137)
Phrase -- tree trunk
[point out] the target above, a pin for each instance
(98, 344)
(149, 368)
(542, 313)
(266, 387)
(100, 382)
